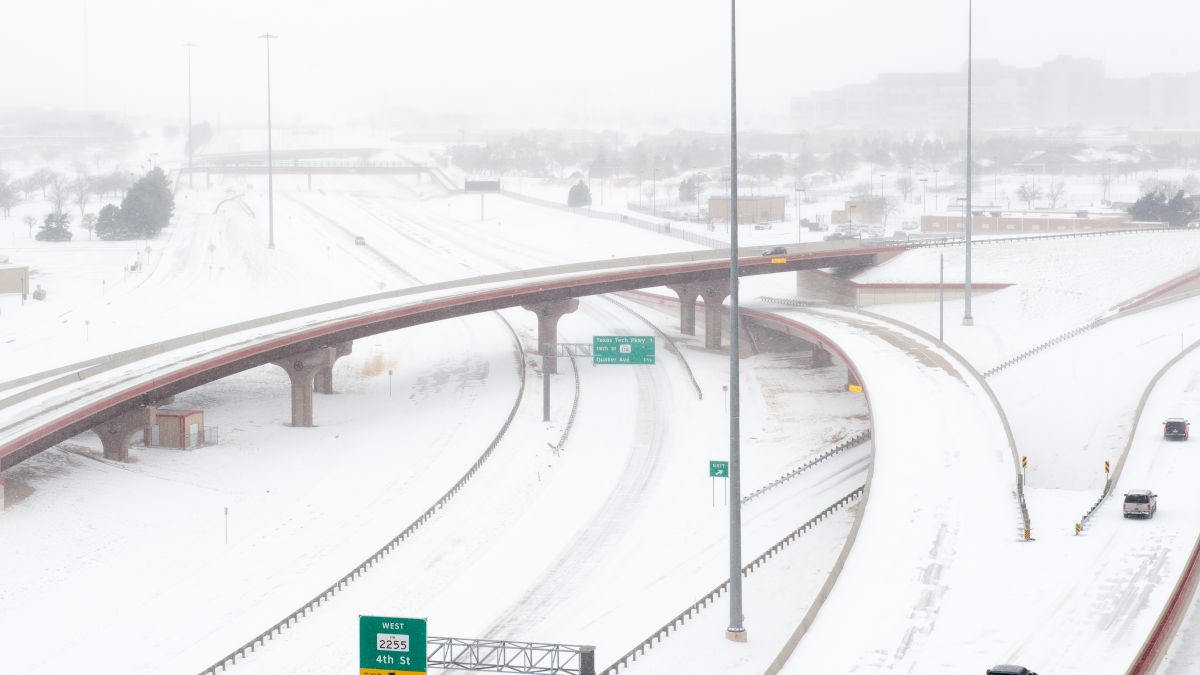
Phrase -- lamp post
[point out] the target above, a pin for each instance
(654, 191)
(188, 46)
(736, 630)
(799, 223)
(882, 185)
(968, 320)
(924, 184)
(270, 177)
(935, 189)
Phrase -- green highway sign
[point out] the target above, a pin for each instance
(632, 349)
(390, 646)
(718, 469)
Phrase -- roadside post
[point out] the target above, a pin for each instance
(718, 469)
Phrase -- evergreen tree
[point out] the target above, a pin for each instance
(110, 225)
(55, 228)
(147, 206)
(1150, 207)
(1180, 211)
(580, 195)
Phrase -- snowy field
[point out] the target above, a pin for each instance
(603, 541)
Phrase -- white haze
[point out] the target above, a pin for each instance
(532, 62)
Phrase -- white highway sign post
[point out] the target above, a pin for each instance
(718, 469)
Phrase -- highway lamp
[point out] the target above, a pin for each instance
(882, 184)
(941, 294)
(736, 630)
(270, 175)
(189, 46)
(800, 192)
(968, 320)
(935, 189)
(87, 330)
(924, 184)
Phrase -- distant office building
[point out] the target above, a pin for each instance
(762, 209)
(1015, 222)
(1060, 93)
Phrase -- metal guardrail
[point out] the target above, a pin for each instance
(664, 631)
(954, 241)
(269, 634)
(508, 656)
(562, 441)
(851, 442)
(1043, 346)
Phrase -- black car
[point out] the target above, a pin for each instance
(777, 250)
(1176, 428)
(1010, 670)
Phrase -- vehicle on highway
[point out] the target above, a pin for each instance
(360, 241)
(1176, 428)
(1140, 504)
(1010, 670)
(777, 250)
(834, 236)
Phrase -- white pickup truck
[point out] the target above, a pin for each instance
(1140, 504)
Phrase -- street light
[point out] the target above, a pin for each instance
(736, 630)
(882, 185)
(799, 222)
(924, 184)
(968, 320)
(935, 189)
(188, 46)
(270, 177)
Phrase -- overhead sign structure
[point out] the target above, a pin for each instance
(624, 349)
(391, 645)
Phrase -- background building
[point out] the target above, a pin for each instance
(1060, 93)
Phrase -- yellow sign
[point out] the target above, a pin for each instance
(855, 388)
(1078, 528)
(1024, 461)
(778, 261)
(1106, 466)
(376, 671)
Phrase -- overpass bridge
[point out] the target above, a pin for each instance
(117, 396)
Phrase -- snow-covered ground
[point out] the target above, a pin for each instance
(605, 541)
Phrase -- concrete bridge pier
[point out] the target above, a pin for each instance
(714, 294)
(852, 379)
(687, 306)
(302, 369)
(323, 383)
(548, 314)
(116, 432)
(821, 357)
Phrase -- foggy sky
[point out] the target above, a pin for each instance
(559, 62)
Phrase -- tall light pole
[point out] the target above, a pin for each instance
(924, 184)
(935, 190)
(736, 630)
(799, 221)
(189, 46)
(882, 185)
(968, 320)
(270, 159)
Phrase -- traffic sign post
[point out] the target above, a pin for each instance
(623, 349)
(718, 469)
(390, 646)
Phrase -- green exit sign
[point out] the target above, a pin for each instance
(718, 469)
(631, 349)
(391, 645)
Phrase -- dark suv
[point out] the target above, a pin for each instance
(1010, 670)
(1176, 428)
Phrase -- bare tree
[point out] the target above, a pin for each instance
(1055, 193)
(43, 179)
(8, 194)
(81, 190)
(60, 192)
(88, 220)
(1029, 193)
(905, 185)
(1106, 181)
(30, 221)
